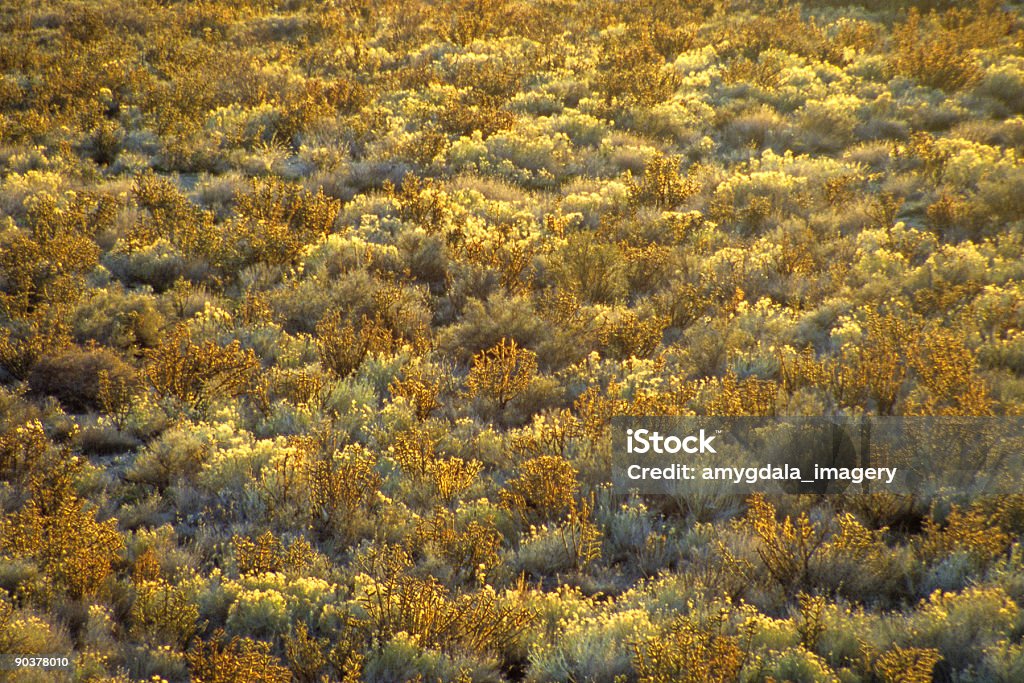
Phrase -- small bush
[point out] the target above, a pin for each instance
(57, 530)
(932, 54)
(593, 271)
(222, 661)
(74, 378)
(690, 652)
(502, 372)
(543, 491)
(195, 373)
(162, 613)
(632, 71)
(342, 346)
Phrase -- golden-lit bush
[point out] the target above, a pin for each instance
(275, 221)
(661, 184)
(422, 392)
(171, 216)
(23, 450)
(502, 372)
(932, 54)
(342, 346)
(196, 373)
(630, 337)
(60, 532)
(219, 660)
(691, 652)
(970, 531)
(470, 548)
(543, 491)
(908, 664)
(163, 613)
(631, 70)
(339, 487)
(266, 553)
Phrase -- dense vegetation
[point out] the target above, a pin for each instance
(313, 316)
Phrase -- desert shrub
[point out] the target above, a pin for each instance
(1003, 661)
(60, 533)
(485, 324)
(1005, 85)
(798, 664)
(960, 625)
(163, 613)
(452, 477)
(22, 629)
(262, 612)
(470, 112)
(760, 128)
(733, 396)
(799, 554)
(971, 532)
(631, 70)
(339, 488)
(171, 216)
(482, 621)
(47, 330)
(404, 312)
(420, 391)
(543, 491)
(593, 271)
(176, 453)
(594, 648)
(932, 54)
(786, 548)
(24, 448)
(507, 249)
(158, 264)
(195, 373)
(633, 535)
(219, 660)
(876, 370)
(661, 184)
(423, 202)
(415, 450)
(59, 243)
(828, 125)
(306, 655)
(570, 546)
(470, 548)
(945, 371)
(502, 372)
(276, 220)
(267, 553)
(342, 345)
(119, 320)
(551, 432)
(74, 377)
(425, 258)
(627, 336)
(908, 664)
(268, 605)
(299, 386)
(690, 651)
